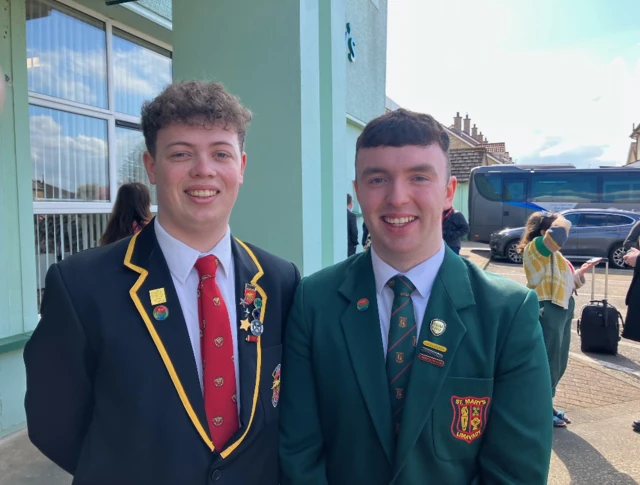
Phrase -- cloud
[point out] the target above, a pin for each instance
(522, 93)
(69, 163)
(582, 156)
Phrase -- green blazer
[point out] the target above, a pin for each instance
(335, 421)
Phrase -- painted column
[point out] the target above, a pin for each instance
(270, 54)
(17, 247)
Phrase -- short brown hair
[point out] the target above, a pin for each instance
(401, 128)
(194, 103)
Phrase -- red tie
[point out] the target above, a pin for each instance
(218, 370)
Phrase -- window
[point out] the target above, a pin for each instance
(615, 220)
(87, 80)
(564, 188)
(593, 220)
(514, 191)
(621, 187)
(572, 218)
(489, 186)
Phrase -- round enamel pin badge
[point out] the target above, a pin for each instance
(257, 328)
(362, 304)
(160, 312)
(437, 327)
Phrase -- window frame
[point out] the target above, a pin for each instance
(110, 115)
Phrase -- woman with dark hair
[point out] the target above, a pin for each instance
(131, 212)
(554, 279)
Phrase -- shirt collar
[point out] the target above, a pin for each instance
(182, 258)
(422, 276)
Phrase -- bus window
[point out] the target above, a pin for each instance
(564, 188)
(489, 186)
(514, 191)
(621, 187)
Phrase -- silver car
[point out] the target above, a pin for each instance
(594, 232)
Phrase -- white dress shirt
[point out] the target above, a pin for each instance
(422, 276)
(181, 260)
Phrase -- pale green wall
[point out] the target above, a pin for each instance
(461, 200)
(366, 77)
(17, 264)
(352, 133)
(274, 67)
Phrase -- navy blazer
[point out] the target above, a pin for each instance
(113, 395)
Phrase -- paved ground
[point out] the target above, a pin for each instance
(600, 393)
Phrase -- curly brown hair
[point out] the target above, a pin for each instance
(194, 103)
(537, 222)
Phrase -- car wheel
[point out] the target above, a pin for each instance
(616, 257)
(512, 253)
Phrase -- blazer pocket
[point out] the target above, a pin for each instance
(270, 382)
(460, 417)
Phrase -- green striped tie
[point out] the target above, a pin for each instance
(402, 344)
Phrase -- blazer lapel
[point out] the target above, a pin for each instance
(362, 332)
(156, 300)
(451, 293)
(251, 301)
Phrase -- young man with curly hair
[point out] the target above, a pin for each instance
(157, 358)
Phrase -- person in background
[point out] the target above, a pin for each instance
(131, 212)
(632, 239)
(454, 228)
(554, 279)
(352, 228)
(632, 321)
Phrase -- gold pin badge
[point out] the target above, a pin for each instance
(245, 324)
(434, 346)
(437, 327)
(158, 296)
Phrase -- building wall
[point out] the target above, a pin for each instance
(461, 199)
(366, 77)
(353, 132)
(457, 143)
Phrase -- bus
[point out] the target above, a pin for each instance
(504, 196)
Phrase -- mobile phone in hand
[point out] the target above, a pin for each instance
(594, 260)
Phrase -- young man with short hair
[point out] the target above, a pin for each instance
(408, 364)
(157, 358)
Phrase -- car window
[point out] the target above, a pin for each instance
(593, 220)
(572, 218)
(616, 220)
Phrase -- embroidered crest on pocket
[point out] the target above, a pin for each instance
(469, 417)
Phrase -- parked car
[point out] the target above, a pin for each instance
(594, 232)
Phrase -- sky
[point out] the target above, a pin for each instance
(557, 80)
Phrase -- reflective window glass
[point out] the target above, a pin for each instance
(129, 150)
(140, 71)
(70, 156)
(66, 54)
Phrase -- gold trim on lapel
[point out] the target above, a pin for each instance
(254, 281)
(133, 292)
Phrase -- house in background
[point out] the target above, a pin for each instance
(470, 149)
(632, 157)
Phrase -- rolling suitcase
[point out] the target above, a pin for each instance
(599, 323)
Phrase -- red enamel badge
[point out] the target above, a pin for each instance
(249, 293)
(469, 417)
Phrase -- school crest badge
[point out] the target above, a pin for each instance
(249, 294)
(275, 396)
(469, 417)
